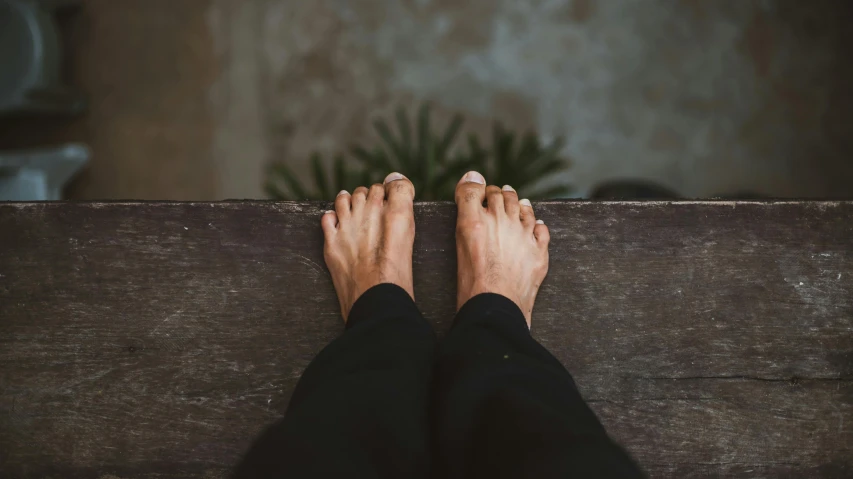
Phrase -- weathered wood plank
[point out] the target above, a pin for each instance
(156, 340)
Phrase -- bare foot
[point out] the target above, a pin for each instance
(500, 248)
(369, 239)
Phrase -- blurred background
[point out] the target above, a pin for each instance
(207, 99)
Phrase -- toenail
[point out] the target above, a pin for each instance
(508, 188)
(524, 202)
(393, 177)
(540, 222)
(474, 177)
(343, 192)
(330, 211)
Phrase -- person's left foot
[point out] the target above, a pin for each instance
(369, 239)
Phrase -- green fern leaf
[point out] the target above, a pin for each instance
(274, 192)
(430, 160)
(391, 143)
(340, 174)
(447, 139)
(320, 176)
(376, 161)
(280, 170)
(423, 140)
(405, 132)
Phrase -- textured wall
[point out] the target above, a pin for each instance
(190, 99)
(146, 68)
(704, 96)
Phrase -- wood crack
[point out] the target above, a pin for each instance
(792, 380)
(610, 401)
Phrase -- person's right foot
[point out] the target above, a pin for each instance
(500, 248)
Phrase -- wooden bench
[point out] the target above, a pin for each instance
(158, 339)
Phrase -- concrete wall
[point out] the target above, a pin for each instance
(192, 99)
(704, 96)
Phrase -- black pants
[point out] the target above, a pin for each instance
(384, 401)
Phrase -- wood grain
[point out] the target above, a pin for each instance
(158, 339)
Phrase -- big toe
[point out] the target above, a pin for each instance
(470, 193)
(399, 191)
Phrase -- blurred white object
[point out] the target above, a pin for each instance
(37, 175)
(30, 59)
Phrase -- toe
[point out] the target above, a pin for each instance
(528, 219)
(470, 193)
(376, 194)
(359, 197)
(494, 199)
(510, 201)
(328, 222)
(399, 191)
(541, 233)
(343, 204)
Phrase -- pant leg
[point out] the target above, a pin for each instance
(503, 406)
(360, 408)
